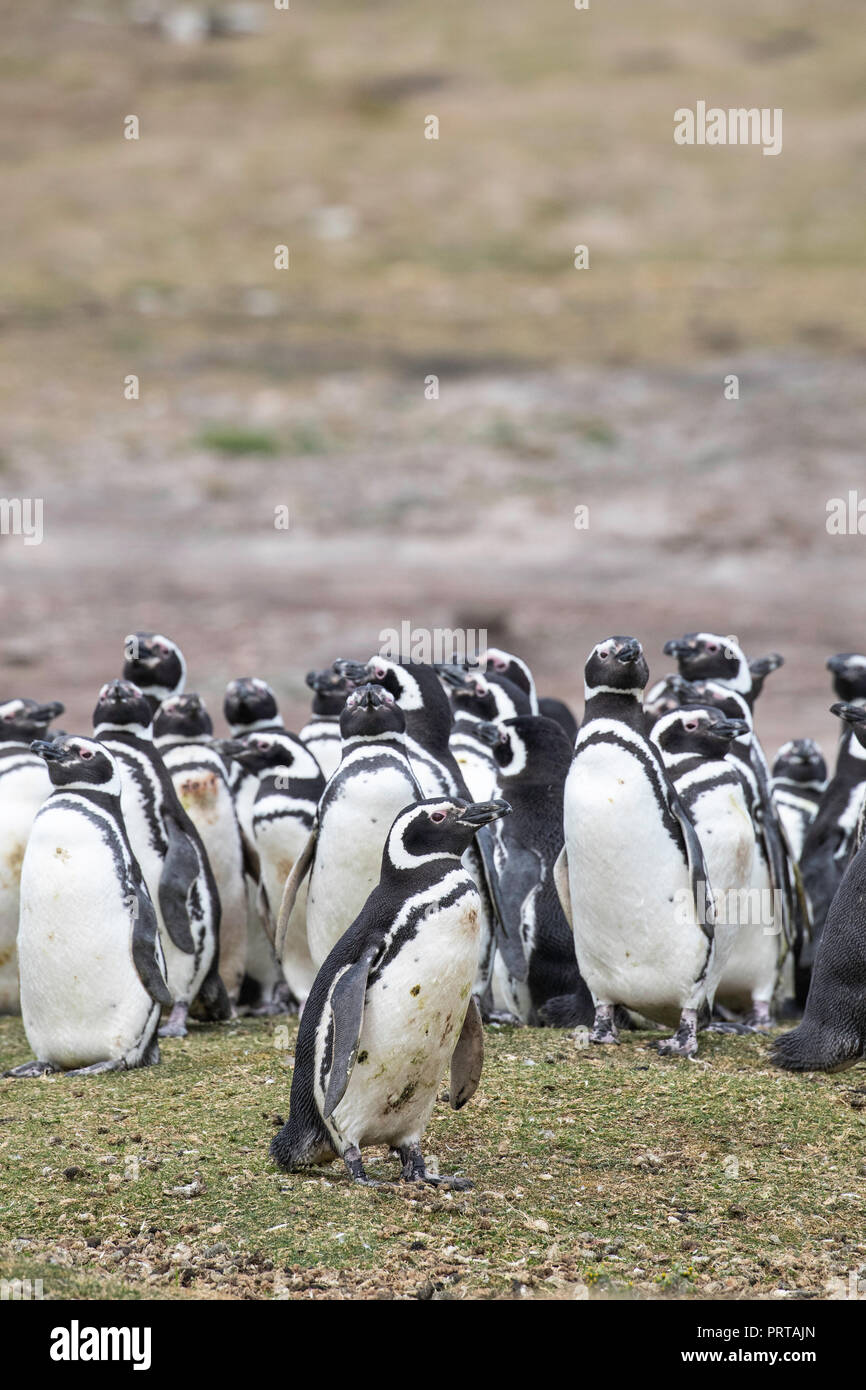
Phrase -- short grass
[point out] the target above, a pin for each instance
(599, 1174)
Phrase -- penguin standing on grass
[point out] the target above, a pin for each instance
(170, 852)
(92, 968)
(392, 1005)
(343, 856)
(632, 876)
(183, 733)
(533, 757)
(24, 785)
(290, 785)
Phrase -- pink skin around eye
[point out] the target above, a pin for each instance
(712, 646)
(438, 816)
(500, 664)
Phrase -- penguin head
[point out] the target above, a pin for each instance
(616, 666)
(534, 748)
(76, 763)
(471, 693)
(408, 681)
(707, 656)
(440, 828)
(250, 704)
(268, 752)
(182, 717)
(854, 716)
(697, 730)
(121, 705)
(23, 720)
(330, 688)
(496, 662)
(849, 675)
(371, 711)
(662, 698)
(714, 693)
(801, 760)
(155, 664)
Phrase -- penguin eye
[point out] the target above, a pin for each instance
(712, 646)
(691, 725)
(499, 664)
(437, 815)
(86, 752)
(605, 654)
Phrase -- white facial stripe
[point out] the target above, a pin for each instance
(397, 851)
(518, 755)
(410, 697)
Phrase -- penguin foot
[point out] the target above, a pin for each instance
(32, 1069)
(96, 1067)
(415, 1170)
(175, 1027)
(718, 1027)
(352, 1160)
(684, 1042)
(758, 1019)
(604, 1029)
(501, 1018)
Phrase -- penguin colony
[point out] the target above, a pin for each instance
(438, 848)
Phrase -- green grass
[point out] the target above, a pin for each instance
(616, 1172)
(237, 441)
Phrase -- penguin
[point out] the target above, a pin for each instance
(358, 806)
(560, 712)
(533, 757)
(799, 780)
(632, 877)
(172, 858)
(752, 972)
(183, 733)
(830, 839)
(24, 785)
(849, 676)
(392, 1004)
(475, 700)
(694, 742)
(250, 705)
(290, 786)
(710, 656)
(155, 664)
(321, 733)
(92, 968)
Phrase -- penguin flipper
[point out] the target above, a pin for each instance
(560, 878)
(698, 876)
(301, 868)
(467, 1058)
(507, 935)
(516, 886)
(180, 870)
(346, 1006)
(146, 954)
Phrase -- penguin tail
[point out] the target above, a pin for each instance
(212, 1001)
(297, 1147)
(818, 1047)
(567, 1011)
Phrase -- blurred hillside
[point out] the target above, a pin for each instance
(411, 257)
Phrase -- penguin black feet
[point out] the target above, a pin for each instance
(32, 1069)
(352, 1160)
(97, 1067)
(604, 1028)
(684, 1042)
(415, 1170)
(175, 1026)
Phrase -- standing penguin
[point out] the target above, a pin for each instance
(830, 839)
(476, 700)
(250, 706)
(321, 733)
(155, 664)
(632, 876)
(290, 784)
(24, 785)
(170, 852)
(183, 733)
(533, 757)
(92, 969)
(359, 804)
(694, 743)
(799, 782)
(392, 1004)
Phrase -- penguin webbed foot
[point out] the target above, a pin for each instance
(684, 1042)
(34, 1068)
(604, 1031)
(758, 1019)
(415, 1170)
(175, 1025)
(118, 1064)
(357, 1172)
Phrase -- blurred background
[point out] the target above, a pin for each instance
(305, 388)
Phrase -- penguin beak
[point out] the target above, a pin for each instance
(452, 675)
(852, 714)
(489, 733)
(367, 697)
(355, 672)
(234, 748)
(48, 749)
(629, 652)
(480, 813)
(677, 647)
(728, 729)
(837, 664)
